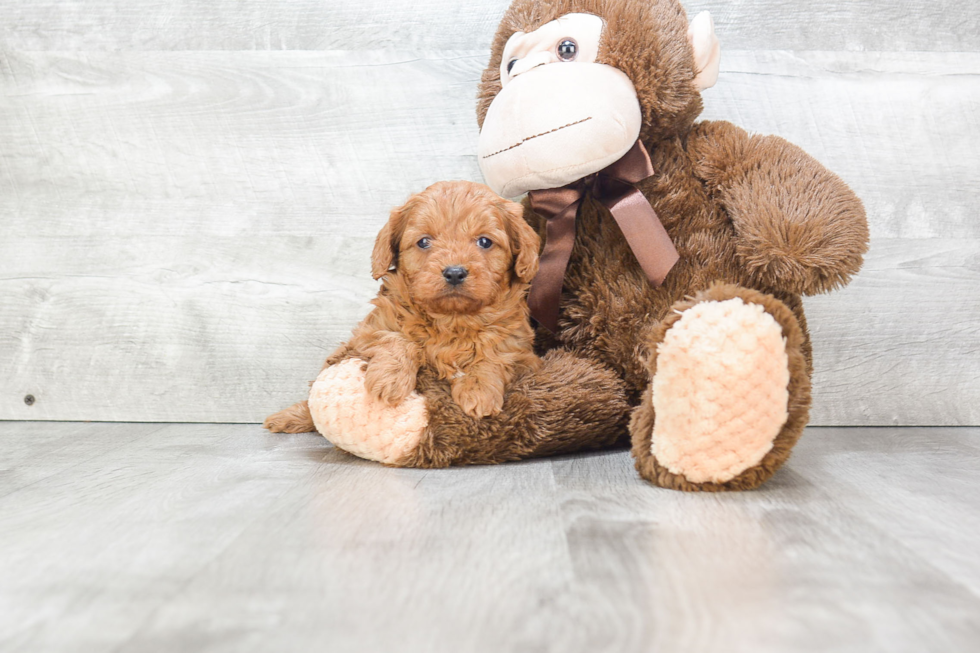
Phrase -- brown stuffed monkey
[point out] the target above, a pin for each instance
(679, 325)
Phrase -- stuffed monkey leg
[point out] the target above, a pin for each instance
(568, 404)
(729, 394)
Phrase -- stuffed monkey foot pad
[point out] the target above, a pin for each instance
(720, 391)
(346, 415)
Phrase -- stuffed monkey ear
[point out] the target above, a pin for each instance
(524, 243)
(707, 50)
(385, 254)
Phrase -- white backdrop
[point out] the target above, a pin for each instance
(189, 191)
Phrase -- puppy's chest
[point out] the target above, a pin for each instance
(447, 352)
(450, 359)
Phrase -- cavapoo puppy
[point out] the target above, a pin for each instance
(456, 261)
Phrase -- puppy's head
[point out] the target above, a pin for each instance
(457, 246)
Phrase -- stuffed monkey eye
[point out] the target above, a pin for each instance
(424, 243)
(510, 66)
(484, 243)
(567, 49)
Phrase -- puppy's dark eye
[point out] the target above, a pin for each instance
(510, 65)
(484, 243)
(424, 242)
(567, 49)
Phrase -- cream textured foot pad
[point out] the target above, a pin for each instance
(345, 414)
(720, 392)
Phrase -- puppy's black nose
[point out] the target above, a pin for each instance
(454, 274)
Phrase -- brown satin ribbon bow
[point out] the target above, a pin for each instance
(613, 188)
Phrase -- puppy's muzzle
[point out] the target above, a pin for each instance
(454, 274)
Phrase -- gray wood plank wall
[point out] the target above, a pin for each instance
(189, 191)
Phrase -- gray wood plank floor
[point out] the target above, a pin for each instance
(149, 537)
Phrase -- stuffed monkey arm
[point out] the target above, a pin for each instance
(568, 403)
(799, 227)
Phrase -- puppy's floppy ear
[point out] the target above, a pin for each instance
(524, 242)
(385, 254)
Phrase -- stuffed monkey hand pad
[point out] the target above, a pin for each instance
(346, 415)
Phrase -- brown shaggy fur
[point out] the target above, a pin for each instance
(475, 335)
(751, 216)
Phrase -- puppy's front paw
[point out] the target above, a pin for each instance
(386, 380)
(477, 399)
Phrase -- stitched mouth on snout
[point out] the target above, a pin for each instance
(525, 140)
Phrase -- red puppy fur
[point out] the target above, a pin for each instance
(455, 261)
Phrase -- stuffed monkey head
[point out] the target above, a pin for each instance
(572, 84)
